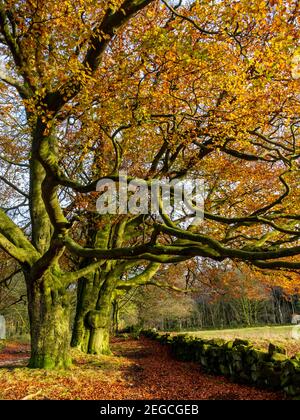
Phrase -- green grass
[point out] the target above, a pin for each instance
(283, 332)
(288, 336)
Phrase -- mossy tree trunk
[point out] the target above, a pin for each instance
(49, 315)
(91, 331)
(92, 327)
(99, 321)
(87, 296)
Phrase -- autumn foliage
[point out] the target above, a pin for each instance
(89, 89)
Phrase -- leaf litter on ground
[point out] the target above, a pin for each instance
(137, 370)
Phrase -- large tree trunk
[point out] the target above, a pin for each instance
(49, 315)
(99, 339)
(80, 331)
(92, 326)
(91, 331)
(99, 322)
(87, 296)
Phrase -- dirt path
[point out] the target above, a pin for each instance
(14, 355)
(138, 370)
(156, 375)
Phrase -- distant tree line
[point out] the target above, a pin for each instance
(220, 297)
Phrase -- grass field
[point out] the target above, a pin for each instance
(288, 336)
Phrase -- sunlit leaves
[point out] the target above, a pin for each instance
(209, 90)
(296, 65)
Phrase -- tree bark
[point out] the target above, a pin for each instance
(99, 320)
(99, 339)
(93, 318)
(49, 315)
(87, 295)
(91, 331)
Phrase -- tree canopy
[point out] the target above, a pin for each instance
(164, 91)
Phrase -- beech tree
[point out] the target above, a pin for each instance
(90, 89)
(96, 291)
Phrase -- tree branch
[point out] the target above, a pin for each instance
(10, 162)
(19, 254)
(10, 277)
(14, 83)
(100, 39)
(191, 21)
(14, 48)
(14, 187)
(279, 200)
(14, 241)
(141, 279)
(285, 265)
